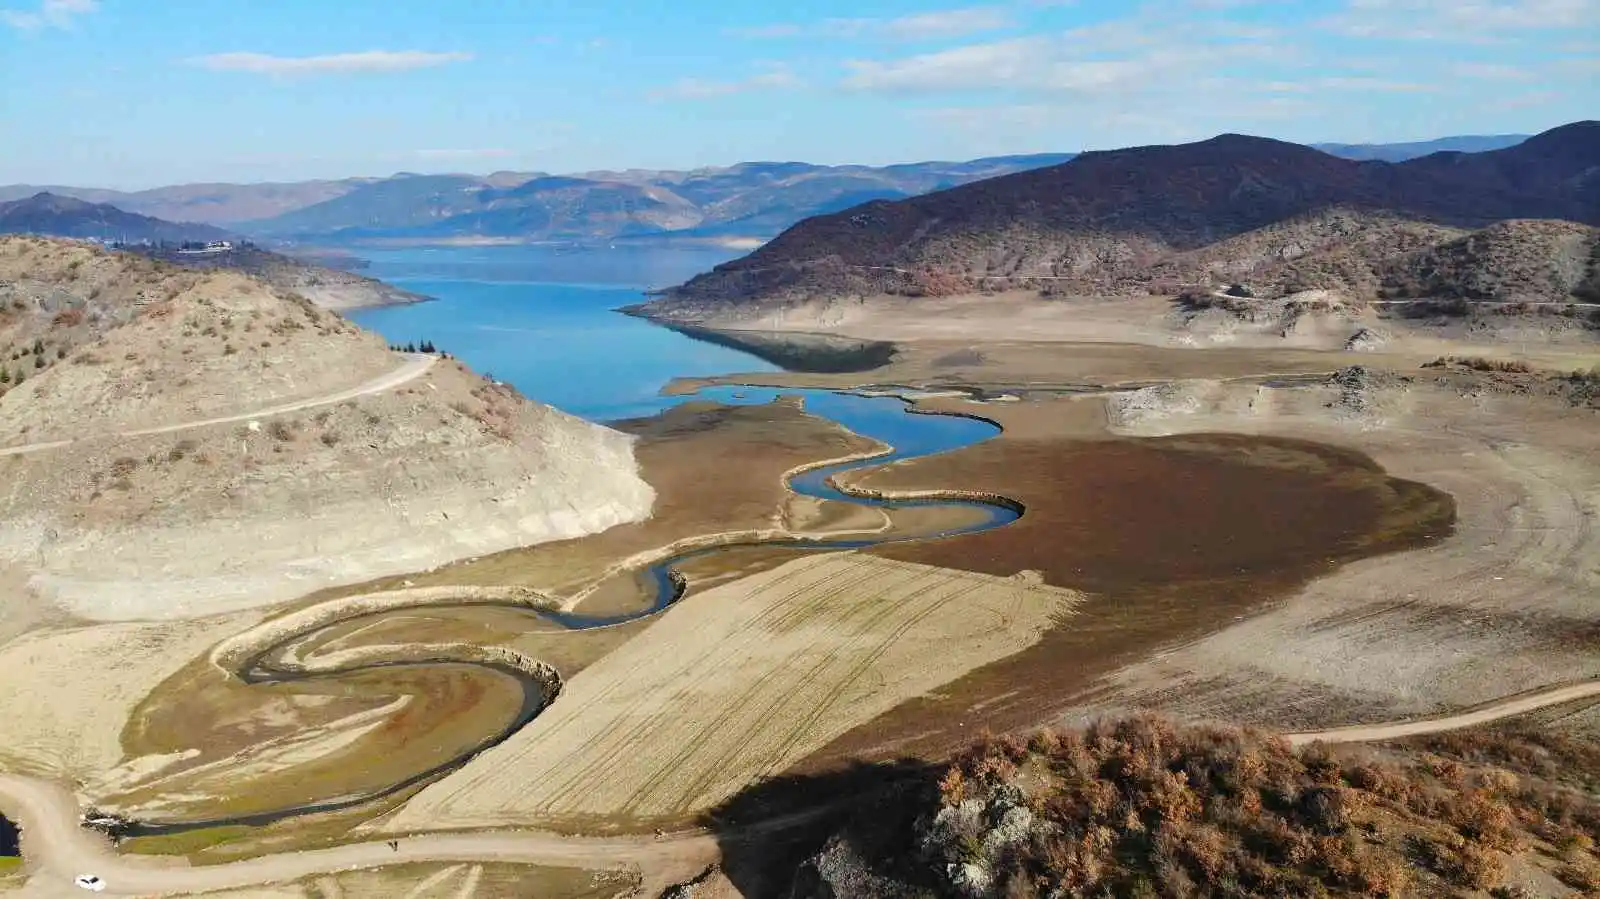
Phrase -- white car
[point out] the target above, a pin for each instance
(90, 882)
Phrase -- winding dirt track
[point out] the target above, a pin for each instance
(58, 849)
(416, 365)
(1505, 708)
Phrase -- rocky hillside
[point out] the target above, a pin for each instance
(329, 288)
(1142, 808)
(60, 216)
(1143, 220)
(176, 441)
(57, 216)
(1514, 261)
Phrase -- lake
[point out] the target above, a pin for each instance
(540, 319)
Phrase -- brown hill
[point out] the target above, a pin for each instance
(1509, 262)
(177, 442)
(1143, 808)
(1558, 163)
(1117, 221)
(60, 216)
(330, 288)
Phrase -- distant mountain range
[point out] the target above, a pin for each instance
(754, 200)
(750, 200)
(1158, 219)
(211, 204)
(1465, 143)
(60, 216)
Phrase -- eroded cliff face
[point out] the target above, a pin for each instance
(182, 443)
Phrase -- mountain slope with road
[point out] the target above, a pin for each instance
(189, 440)
(51, 215)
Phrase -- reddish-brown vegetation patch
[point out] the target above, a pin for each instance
(1145, 808)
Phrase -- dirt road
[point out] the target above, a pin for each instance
(58, 849)
(416, 365)
(1518, 705)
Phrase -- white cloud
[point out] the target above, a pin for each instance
(336, 63)
(1493, 71)
(1481, 21)
(50, 14)
(1366, 83)
(947, 23)
(1036, 64)
(943, 23)
(774, 78)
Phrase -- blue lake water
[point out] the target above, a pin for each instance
(542, 320)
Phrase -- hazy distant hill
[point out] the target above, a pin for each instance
(47, 213)
(404, 201)
(1147, 219)
(753, 199)
(211, 204)
(756, 199)
(1465, 143)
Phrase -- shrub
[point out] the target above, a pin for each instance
(281, 430)
(1479, 363)
(1580, 876)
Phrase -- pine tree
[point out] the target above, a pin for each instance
(5, 376)
(38, 346)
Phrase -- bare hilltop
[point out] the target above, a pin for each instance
(1280, 217)
(175, 441)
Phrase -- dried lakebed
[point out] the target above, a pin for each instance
(297, 651)
(290, 650)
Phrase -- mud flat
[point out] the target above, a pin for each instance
(687, 455)
(1504, 605)
(1170, 538)
(737, 683)
(1315, 321)
(71, 688)
(450, 881)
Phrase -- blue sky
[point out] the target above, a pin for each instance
(135, 93)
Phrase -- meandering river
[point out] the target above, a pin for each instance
(562, 344)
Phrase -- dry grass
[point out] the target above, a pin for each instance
(1479, 363)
